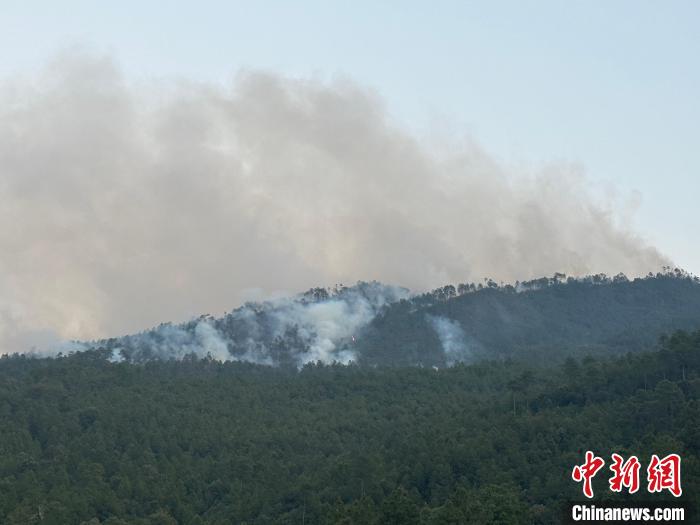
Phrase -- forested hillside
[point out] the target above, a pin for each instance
(542, 321)
(197, 441)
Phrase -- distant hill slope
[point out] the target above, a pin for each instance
(548, 319)
(541, 321)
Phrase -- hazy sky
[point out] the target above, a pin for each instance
(604, 89)
(610, 84)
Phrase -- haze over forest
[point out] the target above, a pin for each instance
(128, 204)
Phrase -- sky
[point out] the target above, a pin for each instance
(608, 87)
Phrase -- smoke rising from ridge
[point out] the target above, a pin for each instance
(288, 331)
(452, 338)
(124, 206)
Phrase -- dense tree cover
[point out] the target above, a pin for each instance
(542, 320)
(83, 440)
(539, 321)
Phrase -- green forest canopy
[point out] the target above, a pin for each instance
(198, 441)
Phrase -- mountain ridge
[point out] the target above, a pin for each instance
(372, 323)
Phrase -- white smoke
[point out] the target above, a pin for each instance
(173, 342)
(324, 324)
(125, 206)
(116, 356)
(452, 338)
(324, 330)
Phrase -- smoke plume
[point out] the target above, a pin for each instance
(452, 338)
(314, 327)
(123, 206)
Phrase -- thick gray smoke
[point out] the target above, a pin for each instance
(125, 206)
